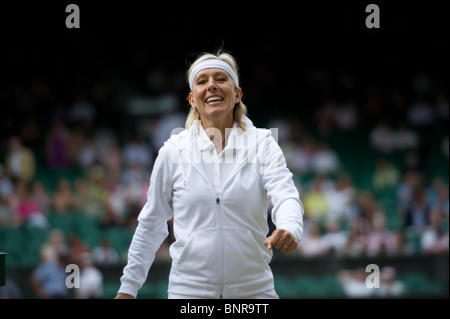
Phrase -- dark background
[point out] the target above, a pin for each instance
(277, 45)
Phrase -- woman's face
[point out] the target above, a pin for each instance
(214, 94)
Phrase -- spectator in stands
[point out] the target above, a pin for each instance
(346, 115)
(434, 191)
(91, 279)
(88, 155)
(27, 209)
(340, 198)
(315, 201)
(48, 279)
(75, 144)
(435, 238)
(354, 283)
(334, 239)
(138, 153)
(173, 120)
(390, 285)
(442, 205)
(57, 146)
(417, 214)
(6, 185)
(284, 130)
(75, 247)
(56, 242)
(133, 184)
(63, 197)
(113, 158)
(356, 240)
(324, 159)
(20, 161)
(415, 218)
(7, 215)
(381, 137)
(97, 192)
(312, 244)
(405, 190)
(82, 199)
(420, 113)
(380, 240)
(11, 290)
(367, 207)
(105, 253)
(298, 155)
(41, 196)
(405, 139)
(385, 175)
(7, 197)
(108, 217)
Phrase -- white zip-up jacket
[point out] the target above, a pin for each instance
(219, 204)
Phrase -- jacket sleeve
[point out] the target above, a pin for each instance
(152, 226)
(287, 211)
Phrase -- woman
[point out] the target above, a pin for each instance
(216, 178)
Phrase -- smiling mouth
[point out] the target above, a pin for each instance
(214, 99)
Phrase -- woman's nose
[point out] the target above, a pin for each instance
(211, 85)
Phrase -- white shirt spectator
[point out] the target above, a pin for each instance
(405, 138)
(324, 159)
(91, 280)
(381, 138)
(334, 240)
(312, 244)
(105, 254)
(138, 153)
(346, 116)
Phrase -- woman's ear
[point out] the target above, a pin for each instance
(191, 100)
(238, 95)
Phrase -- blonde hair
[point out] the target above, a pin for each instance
(239, 109)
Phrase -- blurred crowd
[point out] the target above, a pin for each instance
(110, 169)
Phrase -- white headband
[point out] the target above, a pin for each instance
(213, 63)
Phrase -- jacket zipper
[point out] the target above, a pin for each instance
(220, 242)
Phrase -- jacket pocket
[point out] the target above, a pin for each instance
(187, 247)
(244, 258)
(198, 259)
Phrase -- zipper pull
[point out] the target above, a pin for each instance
(218, 200)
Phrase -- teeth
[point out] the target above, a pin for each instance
(214, 98)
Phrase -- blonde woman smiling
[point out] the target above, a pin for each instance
(216, 179)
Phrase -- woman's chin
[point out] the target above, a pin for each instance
(217, 110)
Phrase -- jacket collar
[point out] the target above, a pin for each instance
(235, 139)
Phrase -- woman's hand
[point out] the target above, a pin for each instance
(121, 295)
(282, 240)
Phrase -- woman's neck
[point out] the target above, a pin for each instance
(217, 130)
